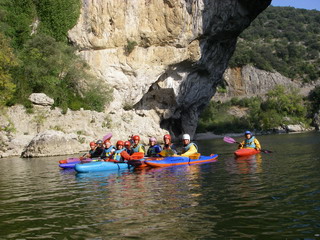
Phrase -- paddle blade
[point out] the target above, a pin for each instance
(167, 153)
(137, 156)
(195, 156)
(108, 136)
(229, 140)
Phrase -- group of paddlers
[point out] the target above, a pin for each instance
(125, 150)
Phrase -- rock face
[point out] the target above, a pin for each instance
(51, 143)
(182, 48)
(249, 81)
(41, 99)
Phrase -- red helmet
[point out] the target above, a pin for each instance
(136, 137)
(92, 144)
(120, 143)
(127, 143)
(107, 140)
(167, 136)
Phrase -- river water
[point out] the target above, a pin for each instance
(267, 196)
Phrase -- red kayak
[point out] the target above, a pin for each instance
(246, 152)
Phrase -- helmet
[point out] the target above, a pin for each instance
(107, 140)
(167, 136)
(186, 137)
(247, 132)
(99, 142)
(152, 139)
(136, 137)
(120, 143)
(92, 144)
(127, 143)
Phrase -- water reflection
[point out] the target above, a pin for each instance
(244, 165)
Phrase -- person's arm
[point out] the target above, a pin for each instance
(125, 155)
(191, 150)
(256, 142)
(158, 149)
(241, 145)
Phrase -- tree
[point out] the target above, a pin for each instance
(7, 61)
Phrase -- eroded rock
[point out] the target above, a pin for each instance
(41, 99)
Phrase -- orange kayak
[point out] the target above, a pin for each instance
(246, 152)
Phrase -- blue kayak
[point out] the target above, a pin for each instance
(179, 160)
(99, 166)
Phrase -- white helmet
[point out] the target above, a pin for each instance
(186, 137)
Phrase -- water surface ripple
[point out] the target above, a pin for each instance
(266, 196)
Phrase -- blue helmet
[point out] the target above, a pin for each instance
(247, 132)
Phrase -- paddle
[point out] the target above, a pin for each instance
(137, 155)
(231, 140)
(167, 153)
(108, 136)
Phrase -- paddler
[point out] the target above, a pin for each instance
(137, 147)
(250, 141)
(127, 145)
(154, 149)
(189, 147)
(91, 151)
(98, 150)
(120, 154)
(108, 149)
(168, 148)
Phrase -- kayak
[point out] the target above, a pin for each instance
(141, 162)
(73, 163)
(68, 165)
(69, 160)
(99, 166)
(180, 160)
(246, 152)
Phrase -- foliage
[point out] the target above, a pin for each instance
(7, 61)
(52, 67)
(314, 98)
(16, 16)
(282, 39)
(130, 46)
(57, 16)
(281, 106)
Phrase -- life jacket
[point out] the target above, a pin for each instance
(249, 143)
(107, 152)
(152, 151)
(117, 155)
(136, 149)
(186, 148)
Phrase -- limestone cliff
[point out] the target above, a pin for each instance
(248, 81)
(182, 49)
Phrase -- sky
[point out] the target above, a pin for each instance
(307, 4)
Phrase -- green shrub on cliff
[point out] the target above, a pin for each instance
(282, 39)
(57, 16)
(52, 67)
(7, 62)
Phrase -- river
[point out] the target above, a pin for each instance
(267, 196)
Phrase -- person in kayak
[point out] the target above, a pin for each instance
(91, 151)
(98, 150)
(137, 147)
(189, 147)
(168, 148)
(154, 149)
(250, 141)
(108, 149)
(127, 145)
(120, 154)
